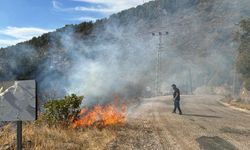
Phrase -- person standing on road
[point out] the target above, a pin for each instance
(176, 99)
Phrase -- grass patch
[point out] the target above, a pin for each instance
(240, 104)
(43, 137)
(237, 102)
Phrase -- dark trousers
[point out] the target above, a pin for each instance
(177, 105)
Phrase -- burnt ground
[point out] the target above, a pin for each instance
(205, 124)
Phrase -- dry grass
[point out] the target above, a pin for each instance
(237, 103)
(240, 105)
(120, 136)
(56, 138)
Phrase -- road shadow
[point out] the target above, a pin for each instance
(214, 143)
(206, 116)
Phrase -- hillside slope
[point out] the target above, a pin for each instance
(117, 54)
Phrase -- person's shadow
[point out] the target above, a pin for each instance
(206, 116)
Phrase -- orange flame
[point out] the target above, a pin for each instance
(106, 115)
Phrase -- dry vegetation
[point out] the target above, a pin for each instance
(58, 134)
(240, 104)
(237, 103)
(56, 138)
(115, 137)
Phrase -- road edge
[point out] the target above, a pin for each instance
(233, 107)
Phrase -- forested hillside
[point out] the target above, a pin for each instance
(118, 54)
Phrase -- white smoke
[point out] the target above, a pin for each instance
(119, 56)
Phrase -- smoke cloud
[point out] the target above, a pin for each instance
(119, 56)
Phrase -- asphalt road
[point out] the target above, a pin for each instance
(205, 123)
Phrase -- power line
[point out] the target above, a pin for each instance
(160, 32)
(158, 61)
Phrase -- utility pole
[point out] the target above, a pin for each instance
(190, 81)
(158, 62)
(235, 77)
(160, 33)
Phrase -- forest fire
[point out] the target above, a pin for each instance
(110, 114)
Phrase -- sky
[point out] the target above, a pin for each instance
(20, 20)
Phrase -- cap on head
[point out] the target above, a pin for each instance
(173, 85)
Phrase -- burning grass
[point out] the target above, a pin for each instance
(100, 116)
(103, 127)
(89, 129)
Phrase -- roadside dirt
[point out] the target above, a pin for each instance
(205, 124)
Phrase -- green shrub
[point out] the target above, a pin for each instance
(62, 110)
